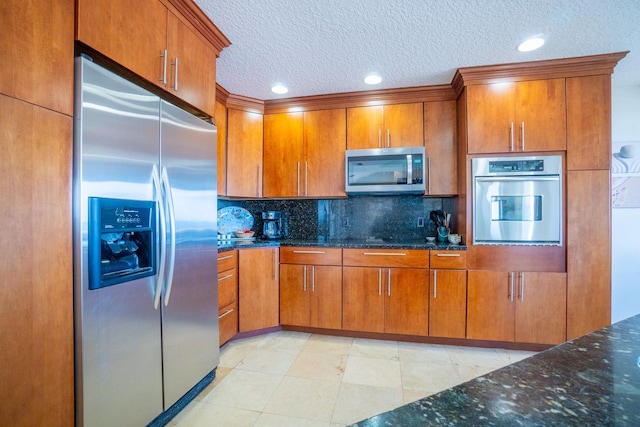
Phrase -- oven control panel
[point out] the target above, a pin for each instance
(505, 166)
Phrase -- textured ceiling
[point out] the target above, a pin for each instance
(328, 46)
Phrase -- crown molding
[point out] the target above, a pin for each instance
(533, 70)
(196, 17)
(244, 103)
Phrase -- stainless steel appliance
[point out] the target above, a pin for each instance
(272, 225)
(145, 244)
(517, 200)
(385, 171)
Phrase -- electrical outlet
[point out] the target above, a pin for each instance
(420, 221)
(345, 222)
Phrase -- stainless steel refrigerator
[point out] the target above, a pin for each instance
(145, 245)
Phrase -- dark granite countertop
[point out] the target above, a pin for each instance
(367, 243)
(593, 380)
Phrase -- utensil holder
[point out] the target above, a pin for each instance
(443, 234)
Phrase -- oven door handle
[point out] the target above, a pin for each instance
(517, 178)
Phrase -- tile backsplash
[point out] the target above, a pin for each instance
(358, 217)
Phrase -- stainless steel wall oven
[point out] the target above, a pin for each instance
(517, 200)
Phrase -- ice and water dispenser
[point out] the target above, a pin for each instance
(121, 241)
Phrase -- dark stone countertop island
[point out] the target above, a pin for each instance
(345, 244)
(593, 380)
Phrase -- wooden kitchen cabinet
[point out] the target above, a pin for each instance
(36, 41)
(155, 43)
(221, 126)
(528, 307)
(441, 147)
(227, 295)
(258, 288)
(36, 360)
(385, 126)
(523, 116)
(301, 153)
(447, 294)
(244, 153)
(392, 299)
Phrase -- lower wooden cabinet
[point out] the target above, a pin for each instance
(448, 303)
(227, 295)
(528, 307)
(389, 300)
(258, 293)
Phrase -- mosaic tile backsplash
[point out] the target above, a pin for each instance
(359, 217)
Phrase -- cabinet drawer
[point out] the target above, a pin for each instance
(228, 322)
(311, 255)
(410, 258)
(227, 260)
(227, 288)
(448, 259)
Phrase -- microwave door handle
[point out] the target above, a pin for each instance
(409, 169)
(163, 237)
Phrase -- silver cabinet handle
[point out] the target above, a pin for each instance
(163, 55)
(275, 264)
(308, 252)
(298, 178)
(379, 138)
(226, 313)
(522, 287)
(313, 278)
(228, 276)
(385, 253)
(429, 175)
(522, 132)
(259, 185)
(388, 138)
(510, 296)
(306, 178)
(175, 74)
(379, 281)
(304, 278)
(448, 255)
(389, 282)
(163, 235)
(225, 257)
(511, 137)
(435, 284)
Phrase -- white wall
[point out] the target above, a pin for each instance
(625, 221)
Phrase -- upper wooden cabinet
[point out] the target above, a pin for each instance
(396, 125)
(221, 125)
(517, 117)
(304, 154)
(155, 42)
(244, 153)
(441, 148)
(36, 41)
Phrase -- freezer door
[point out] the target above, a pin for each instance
(190, 296)
(118, 342)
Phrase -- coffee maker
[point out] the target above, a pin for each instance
(272, 227)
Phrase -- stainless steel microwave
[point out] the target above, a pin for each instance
(385, 171)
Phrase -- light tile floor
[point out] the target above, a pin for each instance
(298, 379)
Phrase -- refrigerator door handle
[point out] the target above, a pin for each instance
(172, 224)
(163, 237)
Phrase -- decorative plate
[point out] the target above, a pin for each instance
(234, 218)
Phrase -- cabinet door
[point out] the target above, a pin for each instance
(406, 301)
(191, 66)
(541, 120)
(324, 152)
(541, 308)
(36, 291)
(244, 154)
(490, 115)
(326, 297)
(134, 39)
(448, 303)
(403, 125)
(36, 41)
(441, 148)
(221, 125)
(294, 294)
(363, 301)
(364, 127)
(589, 128)
(491, 306)
(258, 291)
(283, 156)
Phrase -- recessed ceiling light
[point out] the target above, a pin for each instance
(372, 79)
(279, 89)
(531, 44)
